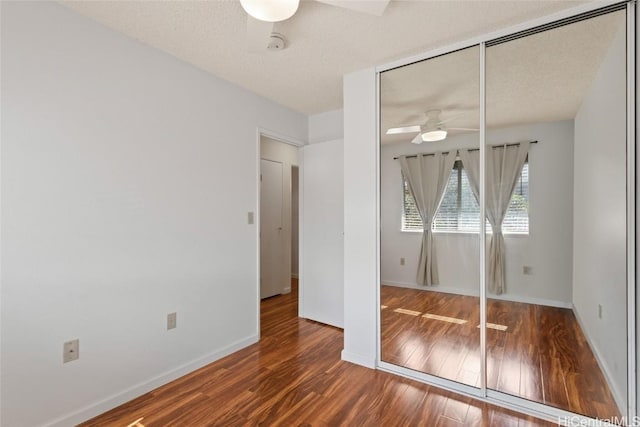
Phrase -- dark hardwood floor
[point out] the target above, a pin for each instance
(294, 377)
(542, 355)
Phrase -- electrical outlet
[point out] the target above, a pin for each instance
(526, 269)
(172, 321)
(250, 218)
(599, 311)
(401, 261)
(70, 351)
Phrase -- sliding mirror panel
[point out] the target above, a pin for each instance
(429, 217)
(555, 194)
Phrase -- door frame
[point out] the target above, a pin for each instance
(260, 132)
(633, 256)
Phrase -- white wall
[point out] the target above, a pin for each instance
(327, 126)
(360, 218)
(287, 154)
(322, 290)
(599, 268)
(547, 248)
(127, 176)
(322, 221)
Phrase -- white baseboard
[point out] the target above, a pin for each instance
(324, 320)
(532, 300)
(436, 288)
(139, 389)
(358, 359)
(474, 293)
(604, 367)
(286, 290)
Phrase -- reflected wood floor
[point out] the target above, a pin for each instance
(294, 377)
(542, 355)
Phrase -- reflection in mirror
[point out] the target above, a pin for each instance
(429, 243)
(556, 217)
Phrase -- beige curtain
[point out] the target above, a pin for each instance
(503, 167)
(427, 176)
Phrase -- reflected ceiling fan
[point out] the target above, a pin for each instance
(433, 129)
(262, 14)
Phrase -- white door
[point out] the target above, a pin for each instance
(271, 236)
(322, 216)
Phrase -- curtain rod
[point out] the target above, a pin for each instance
(471, 149)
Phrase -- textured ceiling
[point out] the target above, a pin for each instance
(450, 83)
(540, 78)
(325, 42)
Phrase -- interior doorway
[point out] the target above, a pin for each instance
(278, 216)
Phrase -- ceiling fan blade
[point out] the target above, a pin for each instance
(258, 34)
(372, 7)
(417, 139)
(451, 118)
(404, 129)
(469, 129)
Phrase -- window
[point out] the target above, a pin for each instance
(460, 212)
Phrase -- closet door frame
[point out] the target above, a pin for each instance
(482, 393)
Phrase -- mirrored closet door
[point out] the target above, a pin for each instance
(555, 187)
(505, 202)
(430, 310)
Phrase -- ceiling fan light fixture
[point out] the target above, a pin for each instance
(434, 135)
(270, 10)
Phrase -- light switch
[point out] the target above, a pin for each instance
(172, 321)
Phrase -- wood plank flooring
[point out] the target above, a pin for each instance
(294, 377)
(542, 355)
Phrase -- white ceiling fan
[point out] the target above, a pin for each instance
(433, 129)
(262, 14)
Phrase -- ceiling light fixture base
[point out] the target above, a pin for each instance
(276, 42)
